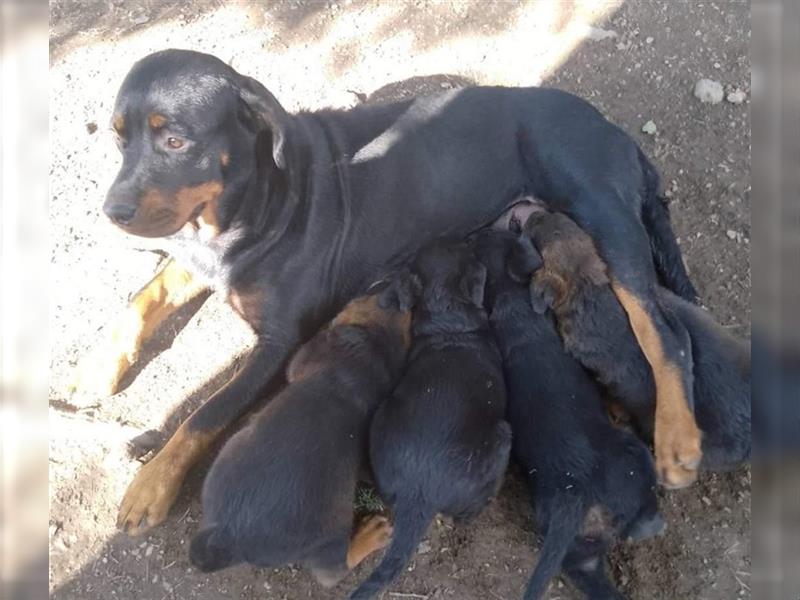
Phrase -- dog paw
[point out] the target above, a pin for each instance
(98, 375)
(376, 531)
(150, 496)
(678, 453)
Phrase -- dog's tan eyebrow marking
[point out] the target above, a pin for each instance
(156, 121)
(118, 123)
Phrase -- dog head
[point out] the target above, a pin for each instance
(510, 260)
(188, 127)
(570, 260)
(379, 321)
(452, 283)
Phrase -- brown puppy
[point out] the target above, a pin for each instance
(595, 329)
(281, 490)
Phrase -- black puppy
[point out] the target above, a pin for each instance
(596, 331)
(281, 490)
(440, 444)
(589, 481)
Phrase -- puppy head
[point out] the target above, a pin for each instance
(386, 311)
(510, 260)
(186, 125)
(452, 279)
(389, 307)
(570, 260)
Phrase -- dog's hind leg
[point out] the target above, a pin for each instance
(623, 243)
(99, 374)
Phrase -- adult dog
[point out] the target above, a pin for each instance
(291, 216)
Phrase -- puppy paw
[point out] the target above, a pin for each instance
(678, 451)
(377, 530)
(150, 496)
(372, 535)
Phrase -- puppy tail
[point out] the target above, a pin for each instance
(666, 252)
(410, 525)
(565, 523)
(210, 550)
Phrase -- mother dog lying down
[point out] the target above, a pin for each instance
(293, 215)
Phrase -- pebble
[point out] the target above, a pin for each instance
(649, 128)
(708, 91)
(732, 234)
(424, 547)
(736, 97)
(597, 34)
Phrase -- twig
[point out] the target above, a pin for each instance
(184, 515)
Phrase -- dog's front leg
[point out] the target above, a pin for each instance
(155, 487)
(99, 374)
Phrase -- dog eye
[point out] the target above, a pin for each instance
(174, 143)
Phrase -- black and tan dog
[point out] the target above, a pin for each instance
(292, 215)
(595, 329)
(281, 490)
(439, 444)
(589, 481)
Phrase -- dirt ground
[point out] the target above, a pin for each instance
(637, 61)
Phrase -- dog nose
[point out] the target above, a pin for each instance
(120, 213)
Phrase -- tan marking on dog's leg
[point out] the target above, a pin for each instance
(373, 534)
(100, 373)
(677, 437)
(155, 487)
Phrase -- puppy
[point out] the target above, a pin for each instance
(589, 481)
(440, 444)
(281, 490)
(596, 331)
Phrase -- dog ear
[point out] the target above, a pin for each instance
(473, 283)
(545, 289)
(402, 292)
(268, 114)
(523, 260)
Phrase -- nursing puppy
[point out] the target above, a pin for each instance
(281, 490)
(589, 481)
(439, 444)
(596, 330)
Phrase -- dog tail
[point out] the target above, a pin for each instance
(210, 550)
(565, 523)
(666, 252)
(410, 525)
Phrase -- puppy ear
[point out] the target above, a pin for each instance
(473, 282)
(544, 292)
(402, 292)
(523, 260)
(268, 114)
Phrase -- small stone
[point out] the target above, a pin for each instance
(706, 500)
(140, 19)
(736, 97)
(91, 127)
(731, 234)
(424, 547)
(445, 85)
(597, 34)
(649, 128)
(649, 40)
(708, 91)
